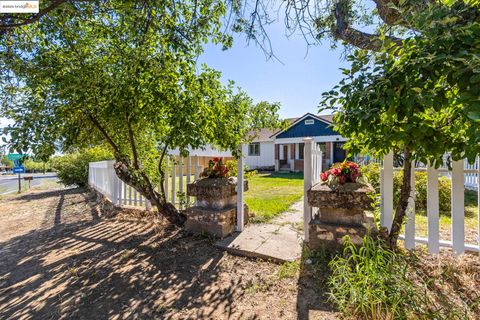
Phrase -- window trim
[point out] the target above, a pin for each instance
(251, 147)
(309, 122)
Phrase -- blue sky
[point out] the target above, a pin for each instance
(297, 84)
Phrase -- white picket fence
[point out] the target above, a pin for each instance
(180, 172)
(463, 176)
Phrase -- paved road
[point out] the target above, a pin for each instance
(9, 183)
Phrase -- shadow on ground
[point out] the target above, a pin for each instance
(73, 265)
(312, 297)
(101, 268)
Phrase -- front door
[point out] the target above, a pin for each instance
(284, 161)
(338, 152)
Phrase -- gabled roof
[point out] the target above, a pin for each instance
(323, 118)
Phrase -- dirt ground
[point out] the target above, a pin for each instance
(59, 260)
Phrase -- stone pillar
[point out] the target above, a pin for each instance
(215, 211)
(341, 212)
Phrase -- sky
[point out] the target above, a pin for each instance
(297, 82)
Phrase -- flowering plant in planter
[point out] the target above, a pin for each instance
(343, 172)
(216, 169)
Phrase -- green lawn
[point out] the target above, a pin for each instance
(471, 219)
(273, 193)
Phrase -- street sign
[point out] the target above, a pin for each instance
(16, 156)
(18, 169)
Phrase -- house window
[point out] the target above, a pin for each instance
(301, 148)
(254, 149)
(309, 121)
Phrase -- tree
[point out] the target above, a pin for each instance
(420, 99)
(125, 74)
(355, 23)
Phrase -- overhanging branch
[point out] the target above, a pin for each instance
(357, 38)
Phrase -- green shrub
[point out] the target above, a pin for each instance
(372, 172)
(372, 282)
(37, 166)
(232, 166)
(72, 168)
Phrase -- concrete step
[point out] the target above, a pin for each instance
(279, 241)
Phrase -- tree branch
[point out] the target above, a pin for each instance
(131, 138)
(162, 173)
(357, 38)
(104, 133)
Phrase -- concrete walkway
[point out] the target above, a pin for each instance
(279, 241)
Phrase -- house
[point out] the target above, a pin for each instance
(283, 150)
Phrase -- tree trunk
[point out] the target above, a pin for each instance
(141, 183)
(401, 210)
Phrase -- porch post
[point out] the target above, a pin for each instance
(277, 156)
(240, 189)
(292, 156)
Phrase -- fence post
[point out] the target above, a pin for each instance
(386, 217)
(433, 210)
(240, 189)
(410, 223)
(458, 207)
(307, 184)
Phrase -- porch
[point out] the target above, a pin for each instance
(289, 155)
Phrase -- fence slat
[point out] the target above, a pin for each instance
(135, 197)
(166, 178)
(196, 173)
(188, 165)
(174, 178)
(458, 215)
(386, 218)
(433, 205)
(410, 223)
(180, 178)
(129, 195)
(124, 192)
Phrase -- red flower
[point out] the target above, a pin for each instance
(336, 171)
(324, 175)
(346, 172)
(216, 159)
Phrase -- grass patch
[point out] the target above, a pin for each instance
(273, 193)
(288, 270)
(374, 282)
(471, 218)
